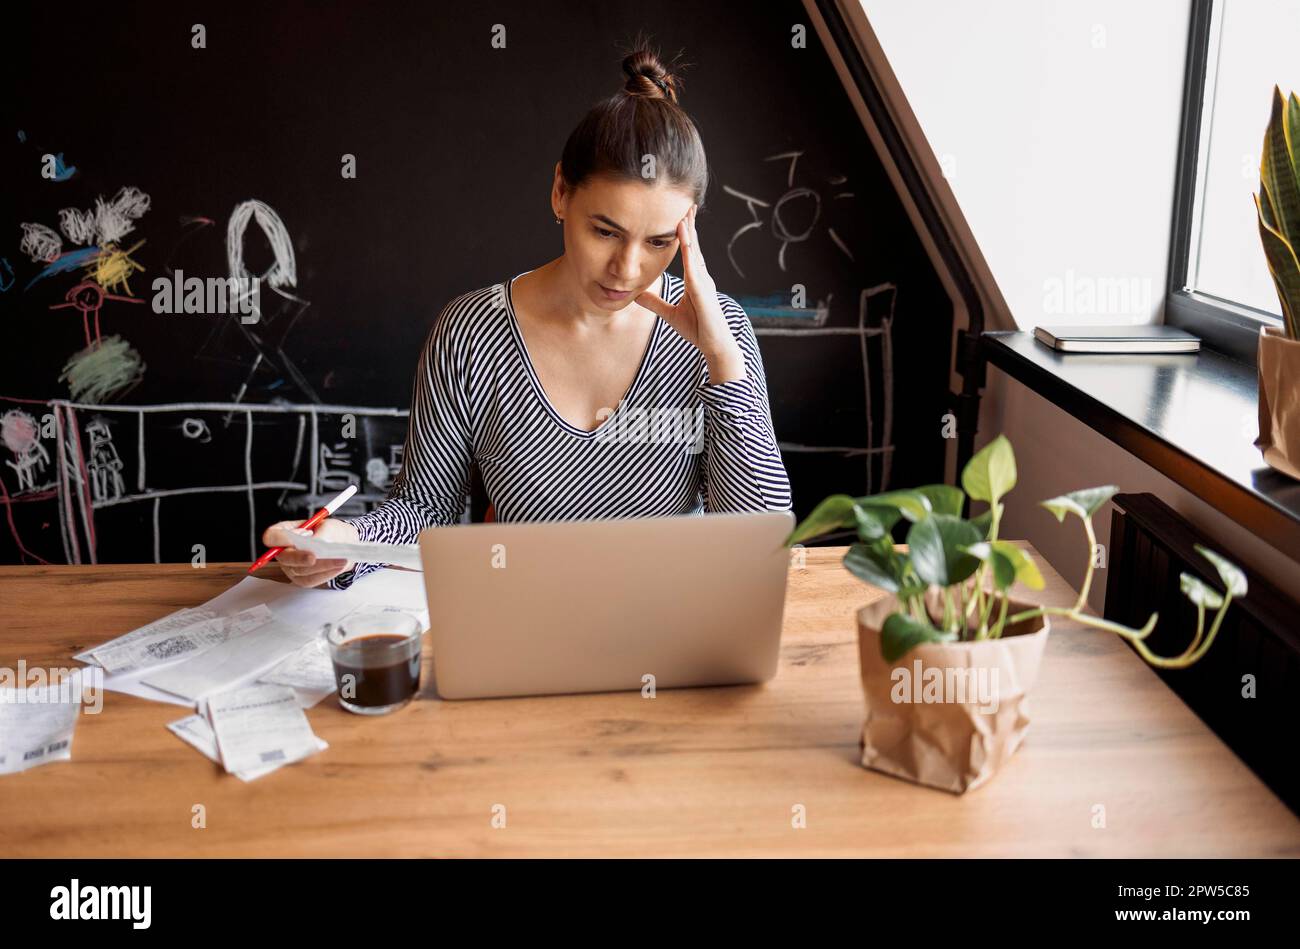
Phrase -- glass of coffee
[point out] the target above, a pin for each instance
(376, 656)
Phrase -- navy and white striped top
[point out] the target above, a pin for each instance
(675, 444)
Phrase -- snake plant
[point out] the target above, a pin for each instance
(1278, 205)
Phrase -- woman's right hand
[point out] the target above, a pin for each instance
(301, 566)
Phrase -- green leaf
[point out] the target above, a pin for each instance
(870, 524)
(1234, 581)
(983, 523)
(901, 633)
(870, 567)
(991, 472)
(935, 548)
(833, 513)
(911, 504)
(943, 498)
(1004, 571)
(1198, 592)
(1083, 502)
(1063, 505)
(1091, 499)
(1283, 265)
(1293, 133)
(1277, 172)
(1026, 570)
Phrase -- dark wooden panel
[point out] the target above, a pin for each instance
(1150, 545)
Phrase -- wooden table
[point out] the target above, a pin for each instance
(693, 772)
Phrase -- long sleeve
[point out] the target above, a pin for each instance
(431, 488)
(742, 469)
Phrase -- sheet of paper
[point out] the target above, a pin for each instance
(36, 726)
(259, 725)
(172, 621)
(195, 731)
(403, 589)
(401, 555)
(236, 661)
(309, 669)
(176, 644)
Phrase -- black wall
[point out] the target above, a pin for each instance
(455, 143)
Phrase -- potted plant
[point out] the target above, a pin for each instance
(1278, 208)
(948, 656)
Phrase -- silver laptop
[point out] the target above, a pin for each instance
(598, 606)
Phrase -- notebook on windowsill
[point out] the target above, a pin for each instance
(1117, 339)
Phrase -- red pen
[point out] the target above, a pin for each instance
(311, 522)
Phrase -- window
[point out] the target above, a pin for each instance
(1238, 51)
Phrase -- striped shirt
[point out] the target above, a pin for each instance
(675, 444)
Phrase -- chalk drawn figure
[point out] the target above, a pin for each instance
(264, 337)
(104, 465)
(20, 435)
(87, 298)
(334, 471)
(106, 367)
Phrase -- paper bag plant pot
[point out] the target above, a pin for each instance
(1279, 401)
(947, 715)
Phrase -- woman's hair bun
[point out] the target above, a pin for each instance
(647, 77)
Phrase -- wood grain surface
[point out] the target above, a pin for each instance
(692, 772)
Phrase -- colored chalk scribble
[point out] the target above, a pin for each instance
(65, 263)
(111, 267)
(62, 171)
(103, 369)
(87, 298)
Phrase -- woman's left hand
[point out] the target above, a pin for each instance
(698, 317)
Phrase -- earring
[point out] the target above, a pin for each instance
(558, 220)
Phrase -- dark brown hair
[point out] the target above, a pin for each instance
(644, 118)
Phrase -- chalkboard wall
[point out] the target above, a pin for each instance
(131, 435)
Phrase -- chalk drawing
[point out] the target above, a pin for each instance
(21, 436)
(264, 338)
(873, 332)
(90, 475)
(105, 465)
(104, 369)
(87, 298)
(109, 221)
(42, 244)
(778, 210)
(283, 271)
(773, 314)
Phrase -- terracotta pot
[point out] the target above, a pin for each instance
(1279, 401)
(947, 715)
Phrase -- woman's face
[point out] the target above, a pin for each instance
(619, 236)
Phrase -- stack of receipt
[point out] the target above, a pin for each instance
(251, 731)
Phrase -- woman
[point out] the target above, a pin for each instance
(546, 381)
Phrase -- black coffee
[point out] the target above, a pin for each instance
(374, 671)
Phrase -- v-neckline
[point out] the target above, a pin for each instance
(517, 331)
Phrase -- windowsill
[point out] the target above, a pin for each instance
(1192, 417)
